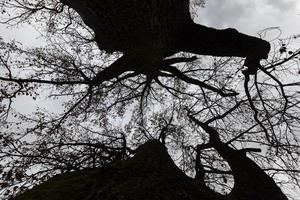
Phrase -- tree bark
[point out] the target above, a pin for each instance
(154, 29)
(152, 175)
(149, 175)
(250, 181)
(199, 39)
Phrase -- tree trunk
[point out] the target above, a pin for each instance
(149, 175)
(131, 25)
(160, 25)
(152, 175)
(150, 30)
(250, 181)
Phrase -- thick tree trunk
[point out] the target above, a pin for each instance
(160, 25)
(152, 175)
(251, 182)
(131, 25)
(150, 30)
(149, 175)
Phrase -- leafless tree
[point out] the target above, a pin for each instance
(122, 81)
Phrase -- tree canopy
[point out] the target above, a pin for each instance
(121, 81)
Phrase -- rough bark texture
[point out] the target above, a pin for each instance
(152, 175)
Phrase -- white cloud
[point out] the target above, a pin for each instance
(251, 16)
(25, 34)
(282, 4)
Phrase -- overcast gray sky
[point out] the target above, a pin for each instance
(251, 16)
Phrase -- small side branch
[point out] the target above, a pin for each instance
(193, 81)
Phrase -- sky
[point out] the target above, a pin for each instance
(251, 16)
(248, 16)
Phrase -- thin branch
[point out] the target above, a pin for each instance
(20, 81)
(254, 108)
(190, 80)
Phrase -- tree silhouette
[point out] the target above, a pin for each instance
(148, 31)
(132, 91)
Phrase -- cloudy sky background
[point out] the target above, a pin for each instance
(251, 16)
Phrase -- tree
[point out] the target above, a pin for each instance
(207, 111)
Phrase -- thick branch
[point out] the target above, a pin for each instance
(251, 182)
(199, 39)
(123, 64)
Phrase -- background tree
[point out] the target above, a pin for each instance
(104, 121)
